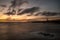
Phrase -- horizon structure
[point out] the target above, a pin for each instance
(30, 9)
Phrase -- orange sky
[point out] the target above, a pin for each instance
(24, 18)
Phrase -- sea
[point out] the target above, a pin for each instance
(29, 31)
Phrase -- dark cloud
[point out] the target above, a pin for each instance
(50, 13)
(38, 13)
(2, 5)
(15, 3)
(11, 13)
(30, 10)
(19, 10)
(47, 13)
(22, 2)
(49, 5)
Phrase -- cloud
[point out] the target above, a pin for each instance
(30, 10)
(2, 7)
(15, 3)
(37, 14)
(9, 13)
(22, 2)
(50, 13)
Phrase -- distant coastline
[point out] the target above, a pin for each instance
(52, 21)
(49, 21)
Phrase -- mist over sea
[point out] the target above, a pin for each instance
(28, 31)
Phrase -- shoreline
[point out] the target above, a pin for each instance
(49, 21)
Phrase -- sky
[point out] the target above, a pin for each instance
(45, 5)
